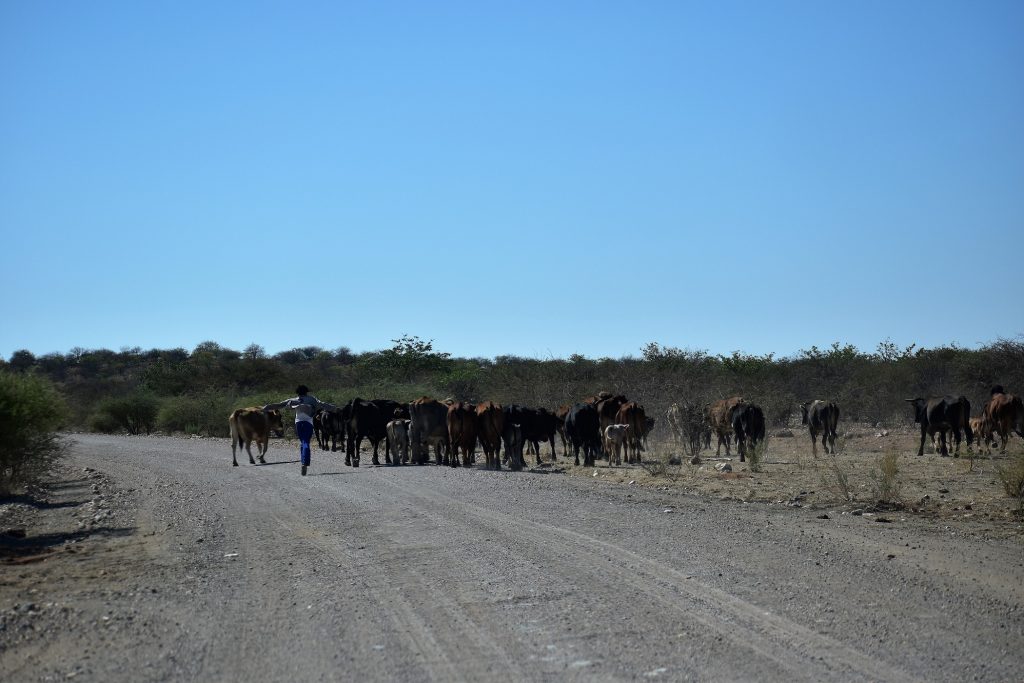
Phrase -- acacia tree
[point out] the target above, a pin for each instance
(410, 356)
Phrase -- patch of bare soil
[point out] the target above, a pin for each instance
(68, 551)
(962, 491)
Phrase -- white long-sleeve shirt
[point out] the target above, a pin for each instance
(305, 407)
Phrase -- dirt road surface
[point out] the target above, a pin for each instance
(180, 567)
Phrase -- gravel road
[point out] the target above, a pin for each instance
(429, 573)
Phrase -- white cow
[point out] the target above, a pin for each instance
(398, 438)
(614, 438)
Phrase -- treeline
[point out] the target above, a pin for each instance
(193, 391)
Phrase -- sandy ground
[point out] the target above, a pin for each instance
(962, 492)
(154, 559)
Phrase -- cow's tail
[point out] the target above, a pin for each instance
(967, 421)
(233, 428)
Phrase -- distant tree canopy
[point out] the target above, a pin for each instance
(178, 383)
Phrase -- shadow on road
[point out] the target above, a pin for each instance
(276, 462)
(42, 504)
(13, 547)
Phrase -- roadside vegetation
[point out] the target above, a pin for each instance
(31, 412)
(175, 390)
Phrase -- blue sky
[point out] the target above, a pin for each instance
(511, 178)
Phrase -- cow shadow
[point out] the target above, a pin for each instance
(12, 547)
(41, 504)
(276, 462)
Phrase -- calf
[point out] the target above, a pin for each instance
(614, 439)
(398, 441)
(253, 424)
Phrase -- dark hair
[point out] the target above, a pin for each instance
(302, 390)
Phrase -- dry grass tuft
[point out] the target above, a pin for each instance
(885, 477)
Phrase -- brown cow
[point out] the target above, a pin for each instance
(490, 424)
(429, 427)
(462, 431)
(252, 424)
(597, 398)
(632, 414)
(1005, 413)
(720, 415)
(608, 409)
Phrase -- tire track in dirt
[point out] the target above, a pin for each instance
(805, 654)
(448, 641)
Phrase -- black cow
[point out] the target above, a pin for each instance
(583, 430)
(512, 438)
(537, 424)
(318, 429)
(821, 417)
(332, 425)
(940, 415)
(368, 419)
(747, 426)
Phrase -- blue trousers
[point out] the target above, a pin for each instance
(304, 430)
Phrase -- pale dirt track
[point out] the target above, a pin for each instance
(429, 573)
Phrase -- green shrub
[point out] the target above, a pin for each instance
(204, 414)
(135, 414)
(31, 411)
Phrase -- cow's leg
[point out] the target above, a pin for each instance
(234, 461)
(924, 429)
(554, 455)
(355, 444)
(248, 449)
(261, 448)
(814, 443)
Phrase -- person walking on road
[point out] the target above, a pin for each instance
(305, 406)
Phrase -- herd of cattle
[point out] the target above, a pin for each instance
(605, 425)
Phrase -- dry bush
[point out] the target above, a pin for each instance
(835, 479)
(693, 427)
(1011, 475)
(665, 466)
(887, 486)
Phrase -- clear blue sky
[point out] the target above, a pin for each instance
(529, 178)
